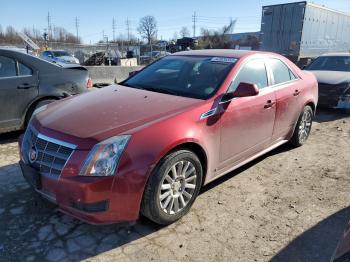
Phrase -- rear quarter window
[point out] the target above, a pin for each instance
(281, 72)
(24, 70)
(7, 67)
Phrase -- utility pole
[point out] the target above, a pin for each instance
(194, 20)
(113, 28)
(77, 26)
(49, 29)
(128, 28)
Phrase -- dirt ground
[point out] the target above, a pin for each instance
(290, 205)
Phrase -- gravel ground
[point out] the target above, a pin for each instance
(290, 205)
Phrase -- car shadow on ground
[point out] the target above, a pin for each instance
(10, 137)
(318, 243)
(327, 115)
(31, 228)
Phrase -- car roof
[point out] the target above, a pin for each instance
(336, 54)
(219, 52)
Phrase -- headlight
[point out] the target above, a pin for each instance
(103, 159)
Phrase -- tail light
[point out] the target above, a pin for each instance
(89, 83)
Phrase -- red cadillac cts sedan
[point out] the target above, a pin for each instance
(150, 143)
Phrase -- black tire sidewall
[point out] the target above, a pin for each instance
(155, 210)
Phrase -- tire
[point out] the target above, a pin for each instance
(31, 110)
(178, 192)
(303, 127)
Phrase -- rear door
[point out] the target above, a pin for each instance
(247, 122)
(288, 93)
(18, 88)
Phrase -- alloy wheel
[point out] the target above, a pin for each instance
(177, 187)
(305, 126)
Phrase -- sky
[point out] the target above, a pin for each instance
(95, 17)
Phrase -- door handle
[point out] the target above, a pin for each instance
(296, 92)
(269, 104)
(25, 86)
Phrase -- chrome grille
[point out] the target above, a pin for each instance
(52, 154)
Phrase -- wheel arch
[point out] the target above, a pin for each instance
(312, 105)
(32, 106)
(198, 150)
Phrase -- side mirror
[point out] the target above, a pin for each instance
(246, 89)
(242, 90)
(132, 73)
(49, 55)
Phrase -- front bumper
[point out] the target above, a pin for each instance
(331, 101)
(93, 200)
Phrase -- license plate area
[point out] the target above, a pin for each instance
(32, 176)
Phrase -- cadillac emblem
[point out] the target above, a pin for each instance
(32, 154)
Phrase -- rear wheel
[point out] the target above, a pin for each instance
(32, 109)
(303, 127)
(172, 187)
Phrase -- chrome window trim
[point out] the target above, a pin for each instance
(284, 83)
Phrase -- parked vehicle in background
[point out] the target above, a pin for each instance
(28, 82)
(149, 57)
(149, 144)
(333, 75)
(59, 56)
(304, 30)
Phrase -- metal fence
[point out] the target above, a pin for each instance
(101, 53)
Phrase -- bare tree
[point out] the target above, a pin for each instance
(184, 32)
(175, 36)
(218, 38)
(148, 28)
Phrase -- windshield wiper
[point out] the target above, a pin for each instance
(161, 90)
(132, 86)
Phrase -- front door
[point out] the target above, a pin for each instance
(18, 88)
(247, 122)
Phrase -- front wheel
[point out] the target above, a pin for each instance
(172, 187)
(303, 127)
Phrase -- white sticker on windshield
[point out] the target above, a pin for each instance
(224, 59)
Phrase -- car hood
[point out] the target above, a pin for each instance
(331, 77)
(111, 111)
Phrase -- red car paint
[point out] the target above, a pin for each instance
(238, 132)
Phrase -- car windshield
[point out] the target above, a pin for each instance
(60, 53)
(331, 63)
(188, 76)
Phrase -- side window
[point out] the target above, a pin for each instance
(252, 72)
(7, 67)
(24, 70)
(292, 75)
(281, 73)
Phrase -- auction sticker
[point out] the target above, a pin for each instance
(224, 59)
